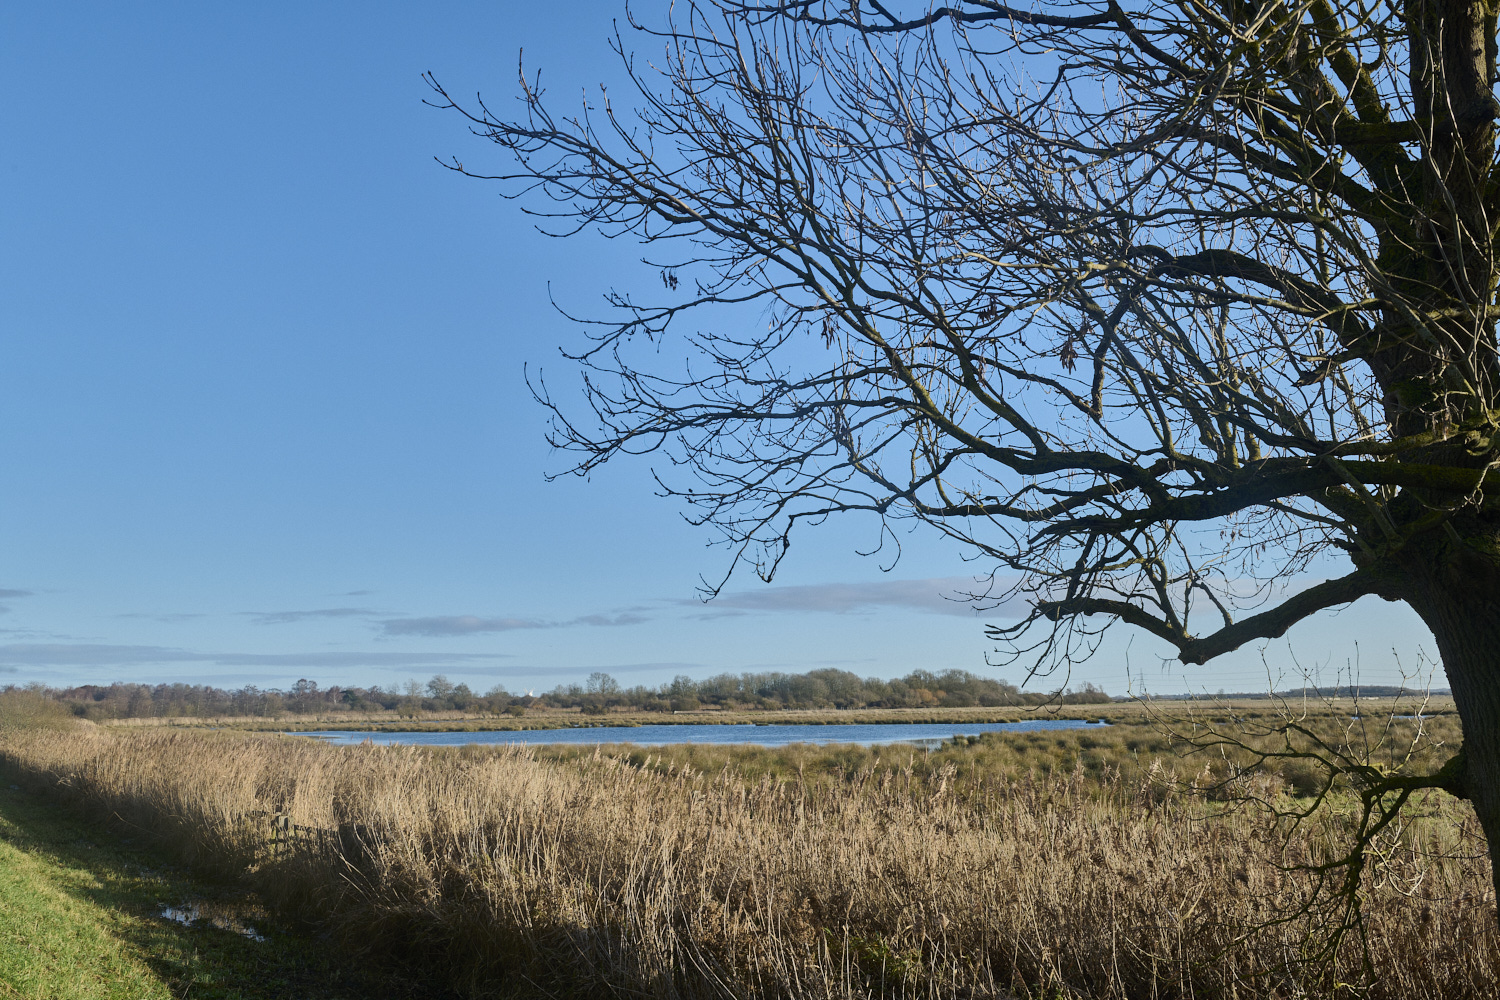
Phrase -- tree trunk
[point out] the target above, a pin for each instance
(1456, 591)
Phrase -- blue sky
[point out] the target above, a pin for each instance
(262, 413)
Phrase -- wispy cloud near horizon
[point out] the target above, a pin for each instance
(451, 625)
(13, 655)
(288, 617)
(165, 619)
(8, 594)
(936, 595)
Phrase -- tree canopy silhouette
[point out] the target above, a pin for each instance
(1148, 304)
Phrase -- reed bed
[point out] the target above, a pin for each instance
(509, 873)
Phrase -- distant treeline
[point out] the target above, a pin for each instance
(1317, 693)
(600, 694)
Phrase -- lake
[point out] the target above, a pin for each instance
(750, 735)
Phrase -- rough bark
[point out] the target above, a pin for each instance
(1456, 590)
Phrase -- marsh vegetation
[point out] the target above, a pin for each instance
(1093, 863)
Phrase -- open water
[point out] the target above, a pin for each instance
(753, 735)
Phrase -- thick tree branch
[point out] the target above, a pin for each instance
(1190, 649)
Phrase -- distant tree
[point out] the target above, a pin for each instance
(304, 697)
(1144, 302)
(1090, 695)
(461, 698)
(601, 684)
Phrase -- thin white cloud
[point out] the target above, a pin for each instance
(334, 659)
(444, 625)
(288, 617)
(635, 668)
(451, 625)
(104, 655)
(937, 596)
(559, 673)
(607, 621)
(490, 670)
(8, 594)
(88, 654)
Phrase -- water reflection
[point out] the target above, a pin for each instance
(189, 914)
(751, 734)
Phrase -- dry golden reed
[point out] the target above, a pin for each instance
(509, 873)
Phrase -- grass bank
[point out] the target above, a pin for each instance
(897, 875)
(81, 918)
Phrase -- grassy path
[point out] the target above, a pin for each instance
(80, 918)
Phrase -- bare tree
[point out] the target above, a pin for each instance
(1148, 304)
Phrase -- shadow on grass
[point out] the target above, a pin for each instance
(88, 906)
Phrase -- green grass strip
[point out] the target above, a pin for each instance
(80, 919)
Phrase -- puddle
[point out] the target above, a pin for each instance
(186, 915)
(191, 914)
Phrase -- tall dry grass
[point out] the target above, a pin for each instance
(505, 871)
